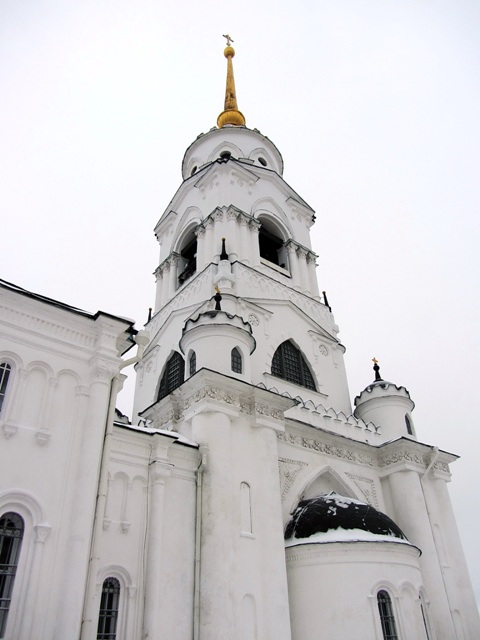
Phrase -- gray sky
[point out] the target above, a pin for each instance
(374, 106)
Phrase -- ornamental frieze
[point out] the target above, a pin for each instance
(327, 448)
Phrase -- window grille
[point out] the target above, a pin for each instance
(193, 363)
(173, 375)
(11, 535)
(108, 616)
(5, 370)
(288, 363)
(387, 618)
(236, 361)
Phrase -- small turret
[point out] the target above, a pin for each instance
(387, 405)
(219, 340)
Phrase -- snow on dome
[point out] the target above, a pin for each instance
(334, 518)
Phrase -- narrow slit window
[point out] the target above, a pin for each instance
(409, 425)
(11, 535)
(108, 615)
(5, 371)
(387, 618)
(236, 361)
(193, 363)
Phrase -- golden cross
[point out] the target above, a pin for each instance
(375, 361)
(229, 40)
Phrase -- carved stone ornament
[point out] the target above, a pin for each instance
(125, 526)
(322, 349)
(42, 532)
(327, 448)
(366, 487)
(9, 429)
(289, 470)
(253, 320)
(43, 436)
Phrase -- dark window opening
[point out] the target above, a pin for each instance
(263, 162)
(236, 360)
(193, 363)
(188, 263)
(288, 363)
(226, 155)
(173, 376)
(5, 370)
(270, 247)
(11, 535)
(108, 616)
(194, 170)
(387, 618)
(409, 425)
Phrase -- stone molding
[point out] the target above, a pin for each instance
(270, 287)
(342, 552)
(395, 456)
(47, 327)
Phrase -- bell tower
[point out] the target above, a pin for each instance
(235, 224)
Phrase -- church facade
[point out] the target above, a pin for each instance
(245, 499)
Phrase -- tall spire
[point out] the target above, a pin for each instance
(231, 114)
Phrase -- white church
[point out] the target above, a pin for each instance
(246, 499)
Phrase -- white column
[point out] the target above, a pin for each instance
(36, 599)
(232, 237)
(253, 242)
(412, 517)
(159, 472)
(208, 252)
(71, 600)
(311, 264)
(173, 286)
(159, 286)
(303, 269)
(244, 252)
(291, 247)
(454, 567)
(165, 282)
(200, 233)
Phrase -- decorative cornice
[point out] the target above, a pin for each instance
(47, 327)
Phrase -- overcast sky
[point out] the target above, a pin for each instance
(375, 108)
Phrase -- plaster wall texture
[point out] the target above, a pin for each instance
(362, 568)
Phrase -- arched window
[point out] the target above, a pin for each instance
(188, 259)
(236, 360)
(193, 363)
(173, 376)
(5, 370)
(271, 245)
(288, 363)
(387, 618)
(108, 616)
(11, 534)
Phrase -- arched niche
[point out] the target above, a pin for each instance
(324, 482)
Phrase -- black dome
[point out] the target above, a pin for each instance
(333, 511)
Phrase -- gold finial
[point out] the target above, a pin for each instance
(230, 114)
(217, 289)
(375, 361)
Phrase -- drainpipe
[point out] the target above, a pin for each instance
(433, 459)
(141, 339)
(198, 535)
